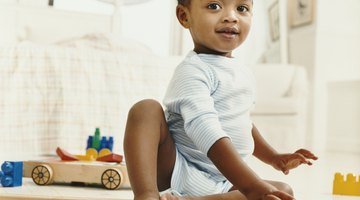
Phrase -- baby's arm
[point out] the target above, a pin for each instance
(262, 150)
(225, 157)
(282, 162)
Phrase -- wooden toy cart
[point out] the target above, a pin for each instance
(111, 175)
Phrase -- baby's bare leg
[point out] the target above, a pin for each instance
(149, 150)
(150, 156)
(232, 195)
(284, 187)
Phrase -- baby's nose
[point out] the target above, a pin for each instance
(230, 16)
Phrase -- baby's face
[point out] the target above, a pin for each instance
(219, 26)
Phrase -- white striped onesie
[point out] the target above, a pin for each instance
(209, 97)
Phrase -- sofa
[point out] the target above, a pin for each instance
(56, 95)
(282, 104)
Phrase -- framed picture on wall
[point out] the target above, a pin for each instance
(301, 12)
(274, 21)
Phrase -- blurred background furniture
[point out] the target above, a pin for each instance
(59, 82)
(55, 95)
(281, 108)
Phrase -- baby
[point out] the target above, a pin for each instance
(198, 147)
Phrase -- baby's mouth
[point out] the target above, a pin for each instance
(228, 31)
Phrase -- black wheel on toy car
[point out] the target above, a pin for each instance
(111, 179)
(42, 174)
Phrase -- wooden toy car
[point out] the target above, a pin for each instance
(109, 174)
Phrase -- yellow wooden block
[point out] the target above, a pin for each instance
(348, 186)
(104, 152)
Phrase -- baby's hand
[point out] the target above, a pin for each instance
(262, 190)
(278, 195)
(286, 162)
(169, 196)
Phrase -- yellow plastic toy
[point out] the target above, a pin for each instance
(350, 186)
(91, 155)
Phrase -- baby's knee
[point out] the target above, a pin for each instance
(285, 188)
(146, 106)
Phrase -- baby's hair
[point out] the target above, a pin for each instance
(187, 2)
(184, 2)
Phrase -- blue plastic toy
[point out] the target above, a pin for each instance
(95, 142)
(11, 174)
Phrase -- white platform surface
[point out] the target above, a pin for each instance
(309, 183)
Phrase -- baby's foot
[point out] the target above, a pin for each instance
(147, 197)
(168, 196)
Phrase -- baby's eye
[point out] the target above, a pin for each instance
(214, 6)
(243, 9)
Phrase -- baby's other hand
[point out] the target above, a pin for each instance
(278, 195)
(262, 190)
(169, 196)
(286, 162)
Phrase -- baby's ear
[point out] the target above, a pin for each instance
(182, 13)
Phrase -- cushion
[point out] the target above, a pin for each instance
(273, 80)
(278, 106)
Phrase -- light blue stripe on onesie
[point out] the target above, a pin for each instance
(209, 97)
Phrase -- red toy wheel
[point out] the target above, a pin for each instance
(111, 179)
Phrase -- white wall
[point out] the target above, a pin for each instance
(7, 21)
(330, 50)
(338, 58)
(343, 129)
(339, 37)
(150, 23)
(28, 23)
